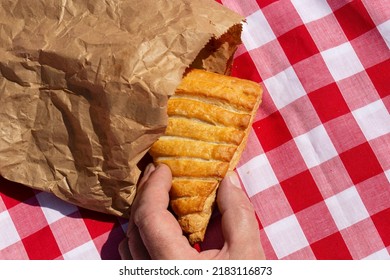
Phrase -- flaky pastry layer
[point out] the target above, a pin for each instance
(209, 120)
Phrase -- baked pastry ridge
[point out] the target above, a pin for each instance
(209, 119)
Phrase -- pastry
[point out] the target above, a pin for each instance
(209, 119)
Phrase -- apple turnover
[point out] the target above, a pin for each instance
(209, 119)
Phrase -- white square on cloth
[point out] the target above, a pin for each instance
(379, 255)
(387, 173)
(373, 119)
(315, 146)
(347, 208)
(384, 30)
(54, 208)
(342, 61)
(8, 234)
(286, 236)
(257, 175)
(87, 251)
(310, 11)
(284, 87)
(256, 31)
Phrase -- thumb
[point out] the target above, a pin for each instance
(239, 224)
(158, 228)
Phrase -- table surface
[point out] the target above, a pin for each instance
(317, 163)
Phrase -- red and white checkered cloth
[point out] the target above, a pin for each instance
(317, 164)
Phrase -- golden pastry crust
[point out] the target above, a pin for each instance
(229, 91)
(211, 113)
(185, 187)
(196, 168)
(179, 147)
(195, 129)
(209, 120)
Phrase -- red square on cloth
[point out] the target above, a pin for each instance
(243, 8)
(381, 221)
(298, 44)
(326, 32)
(272, 131)
(27, 224)
(375, 193)
(272, 205)
(313, 73)
(332, 247)
(302, 254)
(98, 223)
(379, 75)
(270, 59)
(328, 102)
(282, 17)
(371, 49)
(362, 239)
(331, 177)
(337, 4)
(354, 19)
(16, 251)
(381, 148)
(265, 3)
(316, 222)
(13, 193)
(77, 232)
(344, 132)
(300, 116)
(378, 10)
(284, 165)
(267, 246)
(301, 191)
(244, 68)
(361, 163)
(41, 245)
(358, 90)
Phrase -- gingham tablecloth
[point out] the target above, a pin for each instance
(317, 164)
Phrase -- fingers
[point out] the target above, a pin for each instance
(239, 224)
(148, 170)
(124, 250)
(137, 249)
(154, 232)
(157, 227)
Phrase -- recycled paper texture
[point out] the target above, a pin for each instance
(84, 87)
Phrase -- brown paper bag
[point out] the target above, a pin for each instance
(84, 86)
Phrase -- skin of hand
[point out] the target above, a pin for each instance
(154, 233)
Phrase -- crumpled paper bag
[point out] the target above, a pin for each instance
(84, 87)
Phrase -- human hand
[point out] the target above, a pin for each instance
(154, 233)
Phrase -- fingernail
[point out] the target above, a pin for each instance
(234, 179)
(149, 169)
